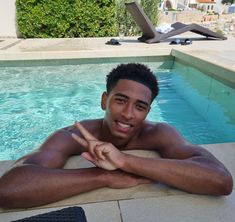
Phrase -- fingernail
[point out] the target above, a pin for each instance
(74, 135)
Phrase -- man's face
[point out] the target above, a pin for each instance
(127, 106)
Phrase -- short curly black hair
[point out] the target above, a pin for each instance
(133, 71)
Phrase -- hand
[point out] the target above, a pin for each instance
(102, 154)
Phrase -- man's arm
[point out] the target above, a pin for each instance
(200, 174)
(184, 166)
(39, 179)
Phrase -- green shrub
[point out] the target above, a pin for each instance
(126, 24)
(78, 18)
(151, 9)
(66, 18)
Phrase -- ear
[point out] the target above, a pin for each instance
(104, 101)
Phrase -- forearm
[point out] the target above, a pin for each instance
(191, 175)
(32, 185)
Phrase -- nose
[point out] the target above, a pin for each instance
(128, 111)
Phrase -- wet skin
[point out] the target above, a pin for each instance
(39, 178)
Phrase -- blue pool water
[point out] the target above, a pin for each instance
(35, 101)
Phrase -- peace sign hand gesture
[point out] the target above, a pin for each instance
(102, 154)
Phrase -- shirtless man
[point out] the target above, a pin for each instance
(39, 178)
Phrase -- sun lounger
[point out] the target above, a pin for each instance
(198, 30)
(150, 35)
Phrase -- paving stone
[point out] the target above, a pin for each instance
(102, 212)
(179, 208)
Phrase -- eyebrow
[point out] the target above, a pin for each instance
(126, 97)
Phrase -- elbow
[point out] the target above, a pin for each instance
(4, 199)
(7, 199)
(9, 196)
(225, 185)
(228, 186)
(13, 189)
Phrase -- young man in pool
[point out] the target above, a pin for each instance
(39, 178)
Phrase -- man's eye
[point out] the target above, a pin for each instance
(140, 107)
(119, 100)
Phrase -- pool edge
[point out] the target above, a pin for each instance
(223, 74)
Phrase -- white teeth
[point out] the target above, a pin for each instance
(124, 125)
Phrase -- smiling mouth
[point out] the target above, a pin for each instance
(123, 127)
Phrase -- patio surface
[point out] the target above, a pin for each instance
(152, 202)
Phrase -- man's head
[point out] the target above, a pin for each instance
(131, 89)
(136, 72)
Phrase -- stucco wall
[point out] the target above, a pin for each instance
(7, 18)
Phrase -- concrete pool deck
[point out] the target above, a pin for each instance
(218, 52)
(216, 57)
(152, 202)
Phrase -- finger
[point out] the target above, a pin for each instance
(100, 152)
(89, 157)
(80, 140)
(102, 149)
(87, 135)
(91, 147)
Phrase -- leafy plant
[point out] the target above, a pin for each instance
(78, 18)
(126, 24)
(70, 18)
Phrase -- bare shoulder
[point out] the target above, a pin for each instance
(58, 147)
(93, 126)
(54, 151)
(169, 143)
(162, 134)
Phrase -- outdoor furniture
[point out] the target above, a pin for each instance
(150, 35)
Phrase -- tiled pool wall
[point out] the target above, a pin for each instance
(216, 101)
(220, 87)
(164, 62)
(222, 74)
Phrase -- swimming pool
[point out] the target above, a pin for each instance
(37, 100)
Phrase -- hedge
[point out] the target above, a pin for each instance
(66, 18)
(78, 18)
